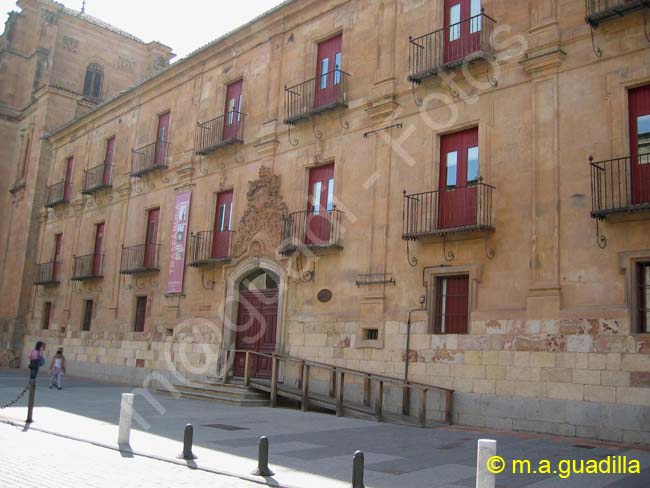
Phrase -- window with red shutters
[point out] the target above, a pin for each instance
(452, 304)
(643, 283)
(140, 314)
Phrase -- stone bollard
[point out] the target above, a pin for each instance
(126, 419)
(263, 459)
(188, 439)
(357, 470)
(486, 449)
(30, 404)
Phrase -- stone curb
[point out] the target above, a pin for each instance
(191, 464)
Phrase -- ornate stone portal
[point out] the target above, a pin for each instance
(261, 224)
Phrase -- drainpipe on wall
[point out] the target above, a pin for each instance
(405, 388)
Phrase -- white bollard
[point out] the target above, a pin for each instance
(126, 418)
(486, 449)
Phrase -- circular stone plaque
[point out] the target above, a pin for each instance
(324, 295)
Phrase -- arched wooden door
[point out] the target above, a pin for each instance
(257, 319)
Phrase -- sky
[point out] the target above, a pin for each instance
(183, 25)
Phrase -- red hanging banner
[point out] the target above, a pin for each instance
(178, 242)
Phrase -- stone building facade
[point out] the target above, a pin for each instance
(55, 64)
(374, 184)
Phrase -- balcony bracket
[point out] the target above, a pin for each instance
(597, 51)
(207, 284)
(448, 255)
(418, 101)
(165, 179)
(601, 239)
(452, 91)
(344, 123)
(237, 160)
(646, 27)
(294, 144)
(489, 252)
(491, 78)
(203, 171)
(412, 260)
(318, 134)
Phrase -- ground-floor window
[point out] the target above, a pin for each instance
(87, 315)
(643, 282)
(140, 314)
(451, 307)
(47, 315)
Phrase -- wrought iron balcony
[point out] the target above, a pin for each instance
(208, 247)
(325, 92)
(47, 273)
(451, 46)
(142, 258)
(149, 158)
(221, 131)
(310, 229)
(602, 10)
(449, 211)
(87, 267)
(97, 178)
(620, 185)
(56, 194)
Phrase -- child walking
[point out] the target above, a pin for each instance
(57, 369)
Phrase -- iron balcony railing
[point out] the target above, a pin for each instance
(221, 131)
(311, 229)
(149, 158)
(620, 185)
(87, 267)
(47, 273)
(451, 210)
(142, 258)
(97, 178)
(204, 250)
(451, 46)
(324, 92)
(56, 194)
(601, 10)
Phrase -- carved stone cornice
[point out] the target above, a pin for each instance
(543, 60)
(185, 171)
(123, 190)
(267, 142)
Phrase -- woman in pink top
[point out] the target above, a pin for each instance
(36, 359)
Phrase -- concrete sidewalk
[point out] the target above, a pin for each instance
(307, 449)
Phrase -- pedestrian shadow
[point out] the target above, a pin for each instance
(126, 451)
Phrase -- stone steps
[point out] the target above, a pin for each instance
(233, 394)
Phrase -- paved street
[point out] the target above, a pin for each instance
(307, 449)
(38, 460)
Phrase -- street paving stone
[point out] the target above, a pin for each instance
(307, 449)
(32, 459)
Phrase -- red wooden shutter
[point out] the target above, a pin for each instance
(459, 172)
(151, 238)
(97, 250)
(639, 127)
(232, 111)
(320, 205)
(88, 315)
(222, 224)
(327, 78)
(108, 161)
(162, 138)
(67, 184)
(57, 256)
(140, 314)
(452, 298)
